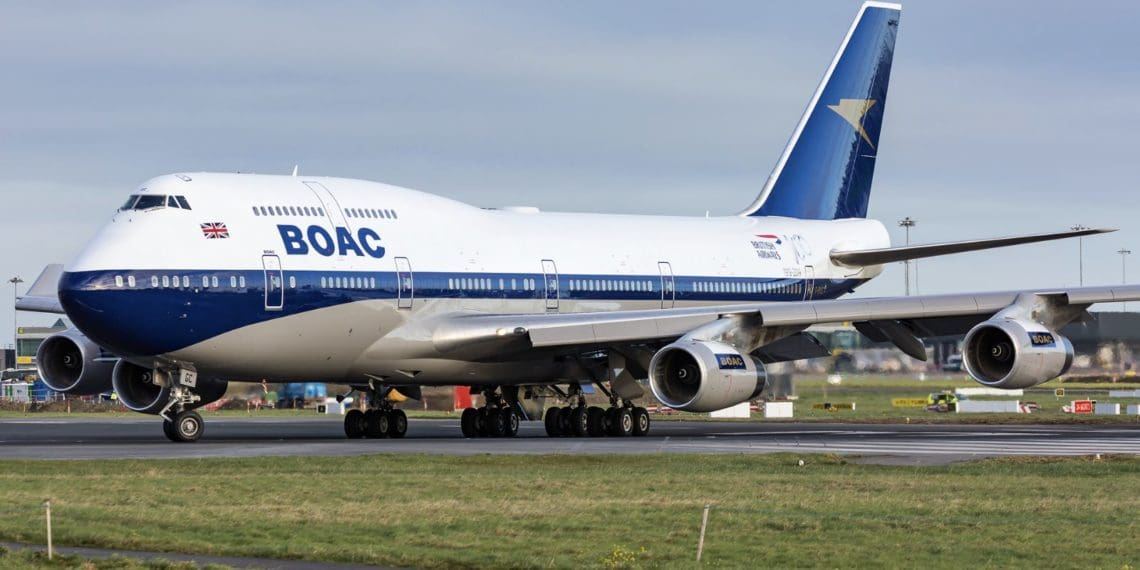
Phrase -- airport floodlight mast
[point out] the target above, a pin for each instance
(907, 223)
(1124, 253)
(15, 281)
(1081, 252)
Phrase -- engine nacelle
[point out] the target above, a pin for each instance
(67, 362)
(137, 388)
(1011, 354)
(703, 376)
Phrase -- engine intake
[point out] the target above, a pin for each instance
(67, 362)
(1011, 354)
(703, 376)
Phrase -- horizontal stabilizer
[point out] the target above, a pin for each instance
(865, 257)
(43, 295)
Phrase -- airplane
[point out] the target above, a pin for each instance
(203, 278)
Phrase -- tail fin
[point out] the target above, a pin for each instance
(825, 171)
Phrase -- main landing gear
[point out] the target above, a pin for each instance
(381, 422)
(497, 418)
(621, 419)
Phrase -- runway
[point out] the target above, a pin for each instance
(88, 438)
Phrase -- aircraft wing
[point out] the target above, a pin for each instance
(43, 295)
(864, 257)
(900, 320)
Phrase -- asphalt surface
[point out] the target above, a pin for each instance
(98, 438)
(200, 560)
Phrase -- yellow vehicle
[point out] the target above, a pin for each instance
(942, 402)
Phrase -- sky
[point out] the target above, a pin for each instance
(1002, 117)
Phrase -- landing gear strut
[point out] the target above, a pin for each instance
(497, 418)
(621, 419)
(377, 423)
(179, 423)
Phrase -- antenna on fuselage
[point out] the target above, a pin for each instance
(295, 170)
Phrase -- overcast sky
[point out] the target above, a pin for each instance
(1003, 117)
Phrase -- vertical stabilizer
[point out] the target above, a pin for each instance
(825, 171)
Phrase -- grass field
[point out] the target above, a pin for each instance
(593, 511)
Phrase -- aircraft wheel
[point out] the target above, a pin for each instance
(188, 426)
(354, 424)
(565, 422)
(496, 422)
(469, 422)
(397, 424)
(510, 422)
(596, 421)
(622, 423)
(579, 421)
(168, 429)
(640, 422)
(376, 424)
(551, 422)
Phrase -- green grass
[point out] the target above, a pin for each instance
(593, 511)
(37, 560)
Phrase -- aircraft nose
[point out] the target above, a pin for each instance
(89, 299)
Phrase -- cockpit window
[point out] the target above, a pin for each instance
(148, 201)
(130, 202)
(171, 202)
(183, 203)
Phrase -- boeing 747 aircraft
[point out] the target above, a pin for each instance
(201, 279)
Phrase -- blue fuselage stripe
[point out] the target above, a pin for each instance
(190, 306)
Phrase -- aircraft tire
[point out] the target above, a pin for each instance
(641, 422)
(188, 426)
(376, 424)
(579, 421)
(596, 421)
(397, 424)
(551, 422)
(354, 424)
(622, 423)
(510, 422)
(496, 422)
(168, 430)
(469, 422)
(565, 423)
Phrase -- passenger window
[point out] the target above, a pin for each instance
(241, 281)
(166, 281)
(514, 284)
(130, 280)
(393, 212)
(214, 281)
(233, 281)
(320, 211)
(205, 281)
(255, 212)
(324, 283)
(185, 281)
(372, 282)
(183, 203)
(118, 281)
(292, 282)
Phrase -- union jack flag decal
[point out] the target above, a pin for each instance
(215, 230)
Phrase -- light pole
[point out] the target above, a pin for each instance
(1124, 252)
(907, 223)
(15, 281)
(1081, 254)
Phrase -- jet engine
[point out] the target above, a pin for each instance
(137, 388)
(71, 363)
(1012, 353)
(703, 376)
